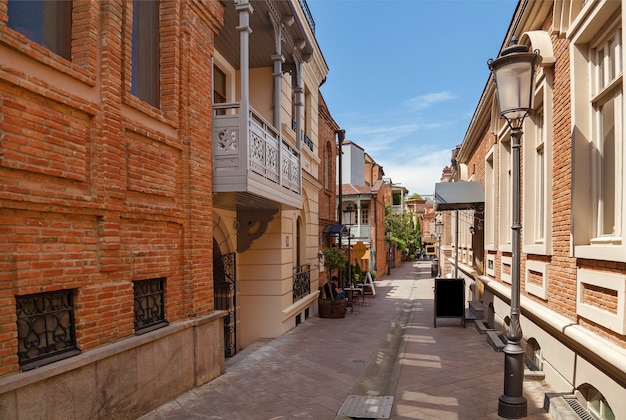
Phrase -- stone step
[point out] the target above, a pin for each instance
(477, 309)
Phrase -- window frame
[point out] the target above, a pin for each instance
(590, 35)
(505, 190)
(364, 219)
(84, 39)
(53, 31)
(145, 52)
(606, 71)
(169, 77)
(537, 169)
(47, 304)
(490, 195)
(156, 287)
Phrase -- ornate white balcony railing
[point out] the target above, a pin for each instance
(261, 151)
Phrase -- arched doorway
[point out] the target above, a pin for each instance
(224, 275)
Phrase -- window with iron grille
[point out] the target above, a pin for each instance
(149, 305)
(45, 328)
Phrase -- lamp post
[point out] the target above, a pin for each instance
(439, 233)
(514, 72)
(348, 211)
(388, 234)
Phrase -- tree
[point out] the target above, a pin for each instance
(404, 232)
(334, 259)
(414, 196)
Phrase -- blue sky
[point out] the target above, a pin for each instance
(406, 76)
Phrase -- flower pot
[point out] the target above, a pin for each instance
(329, 308)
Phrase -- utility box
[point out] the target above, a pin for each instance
(449, 299)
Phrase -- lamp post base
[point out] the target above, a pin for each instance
(512, 404)
(512, 407)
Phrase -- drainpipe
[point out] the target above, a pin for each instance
(341, 136)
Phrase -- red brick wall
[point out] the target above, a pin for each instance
(382, 250)
(327, 128)
(562, 274)
(98, 188)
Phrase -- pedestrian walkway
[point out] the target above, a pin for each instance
(385, 361)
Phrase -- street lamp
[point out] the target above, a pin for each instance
(514, 72)
(348, 212)
(439, 233)
(388, 234)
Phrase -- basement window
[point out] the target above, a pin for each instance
(149, 305)
(45, 328)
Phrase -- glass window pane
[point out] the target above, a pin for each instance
(48, 23)
(145, 83)
(607, 168)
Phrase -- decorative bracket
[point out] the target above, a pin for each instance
(252, 225)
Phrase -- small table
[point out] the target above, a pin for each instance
(353, 293)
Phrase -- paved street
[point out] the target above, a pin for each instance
(386, 361)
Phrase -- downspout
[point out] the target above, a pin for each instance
(341, 136)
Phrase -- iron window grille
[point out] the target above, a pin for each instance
(45, 328)
(149, 305)
(301, 281)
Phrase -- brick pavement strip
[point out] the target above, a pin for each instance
(388, 349)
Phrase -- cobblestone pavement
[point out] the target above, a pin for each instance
(385, 361)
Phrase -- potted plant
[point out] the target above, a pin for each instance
(333, 260)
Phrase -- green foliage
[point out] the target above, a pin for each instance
(334, 259)
(357, 274)
(405, 233)
(414, 196)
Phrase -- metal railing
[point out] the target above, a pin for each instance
(269, 155)
(308, 15)
(360, 231)
(301, 281)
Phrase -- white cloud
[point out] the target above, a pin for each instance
(420, 171)
(427, 100)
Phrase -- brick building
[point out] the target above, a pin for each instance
(158, 170)
(365, 191)
(327, 175)
(573, 259)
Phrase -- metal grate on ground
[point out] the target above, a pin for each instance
(368, 407)
(579, 409)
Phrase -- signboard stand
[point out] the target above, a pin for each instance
(449, 299)
(370, 283)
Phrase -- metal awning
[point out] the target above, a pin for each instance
(458, 195)
(335, 230)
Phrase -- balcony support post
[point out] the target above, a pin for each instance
(299, 91)
(245, 9)
(278, 60)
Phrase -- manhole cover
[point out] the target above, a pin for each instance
(359, 406)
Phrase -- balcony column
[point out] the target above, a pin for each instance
(278, 60)
(245, 9)
(296, 78)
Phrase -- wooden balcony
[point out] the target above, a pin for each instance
(253, 166)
